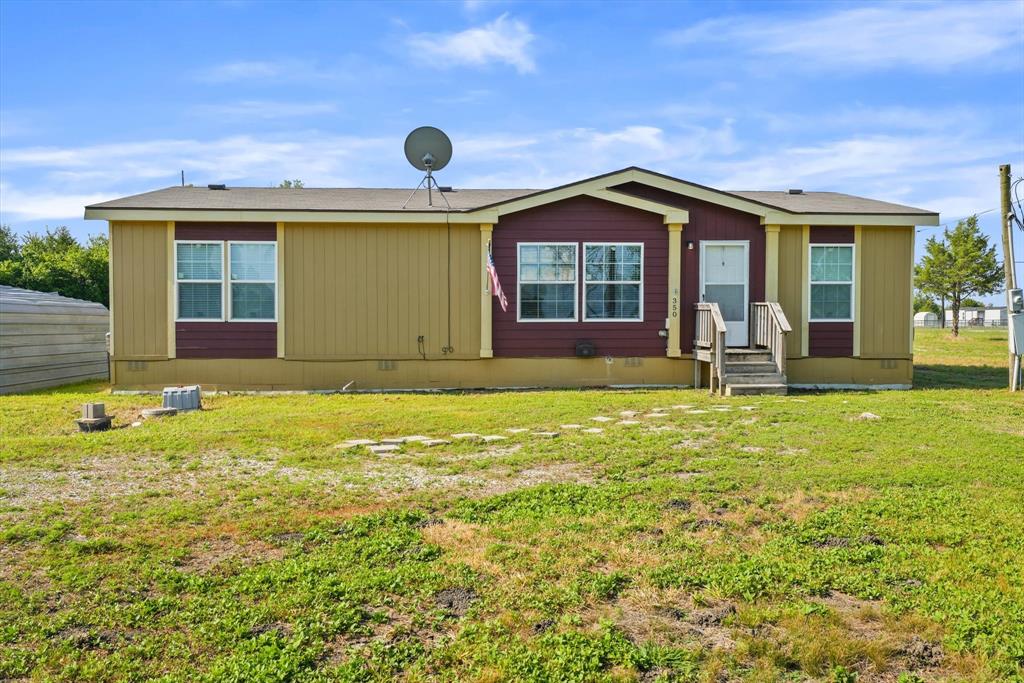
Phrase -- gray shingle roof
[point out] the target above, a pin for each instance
(391, 199)
(306, 199)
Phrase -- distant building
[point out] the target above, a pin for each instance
(975, 316)
(926, 319)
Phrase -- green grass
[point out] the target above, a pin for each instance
(793, 541)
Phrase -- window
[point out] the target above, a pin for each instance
(831, 294)
(252, 278)
(613, 282)
(199, 270)
(547, 282)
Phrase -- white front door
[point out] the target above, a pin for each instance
(725, 279)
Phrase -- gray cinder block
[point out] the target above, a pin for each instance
(183, 398)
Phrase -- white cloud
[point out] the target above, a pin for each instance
(503, 41)
(264, 109)
(16, 205)
(933, 36)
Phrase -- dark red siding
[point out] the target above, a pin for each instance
(226, 340)
(582, 219)
(707, 222)
(830, 340)
(255, 232)
(831, 234)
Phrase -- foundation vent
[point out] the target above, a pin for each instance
(386, 365)
(137, 365)
(634, 362)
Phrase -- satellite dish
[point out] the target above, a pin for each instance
(428, 149)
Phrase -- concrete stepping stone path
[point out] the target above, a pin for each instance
(570, 426)
(602, 418)
(593, 430)
(488, 438)
(435, 442)
(547, 435)
(384, 448)
(516, 430)
(626, 423)
(696, 412)
(355, 443)
(467, 436)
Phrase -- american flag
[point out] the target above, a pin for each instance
(495, 284)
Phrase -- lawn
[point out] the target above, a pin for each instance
(820, 536)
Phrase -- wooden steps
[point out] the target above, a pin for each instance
(751, 372)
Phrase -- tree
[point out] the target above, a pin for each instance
(294, 184)
(923, 302)
(56, 262)
(961, 265)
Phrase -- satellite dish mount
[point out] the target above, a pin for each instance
(428, 149)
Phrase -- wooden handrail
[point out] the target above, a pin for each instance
(768, 329)
(709, 334)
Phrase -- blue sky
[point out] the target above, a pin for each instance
(916, 103)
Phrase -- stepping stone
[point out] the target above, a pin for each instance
(696, 412)
(656, 415)
(602, 418)
(435, 442)
(384, 448)
(547, 435)
(355, 443)
(516, 430)
(628, 413)
(393, 441)
(628, 422)
(415, 438)
(487, 438)
(569, 426)
(723, 409)
(748, 407)
(593, 430)
(682, 407)
(471, 436)
(869, 416)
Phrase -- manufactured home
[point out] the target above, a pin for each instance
(628, 278)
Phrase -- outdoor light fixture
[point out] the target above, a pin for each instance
(689, 245)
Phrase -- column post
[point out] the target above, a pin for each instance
(280, 289)
(805, 291)
(675, 241)
(486, 350)
(771, 262)
(172, 303)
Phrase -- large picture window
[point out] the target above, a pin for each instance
(247, 293)
(831, 295)
(547, 282)
(199, 270)
(613, 282)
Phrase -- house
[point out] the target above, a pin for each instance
(969, 316)
(995, 316)
(47, 340)
(628, 278)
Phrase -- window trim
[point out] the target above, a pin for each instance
(225, 283)
(851, 282)
(229, 282)
(177, 284)
(575, 283)
(583, 260)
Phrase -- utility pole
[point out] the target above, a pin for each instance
(1008, 264)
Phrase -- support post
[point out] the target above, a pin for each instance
(1009, 269)
(771, 263)
(857, 241)
(172, 303)
(486, 348)
(805, 291)
(280, 290)
(675, 254)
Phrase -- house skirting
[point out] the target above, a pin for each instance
(276, 374)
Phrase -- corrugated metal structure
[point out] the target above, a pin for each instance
(47, 340)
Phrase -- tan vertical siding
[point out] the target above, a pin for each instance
(884, 263)
(368, 291)
(139, 298)
(791, 294)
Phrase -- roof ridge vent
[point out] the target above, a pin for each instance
(216, 186)
(796, 191)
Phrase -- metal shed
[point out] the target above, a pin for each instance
(47, 340)
(926, 319)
